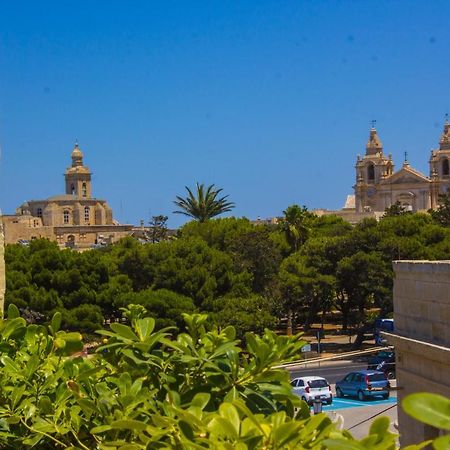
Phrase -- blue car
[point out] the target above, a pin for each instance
(364, 384)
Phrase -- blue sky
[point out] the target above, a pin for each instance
(270, 100)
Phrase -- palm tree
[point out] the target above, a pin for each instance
(204, 204)
(294, 226)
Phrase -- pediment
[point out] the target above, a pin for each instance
(406, 175)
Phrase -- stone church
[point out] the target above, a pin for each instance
(378, 186)
(74, 219)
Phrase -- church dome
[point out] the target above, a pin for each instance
(77, 156)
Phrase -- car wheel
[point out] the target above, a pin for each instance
(390, 375)
(385, 396)
(330, 401)
(339, 393)
(361, 396)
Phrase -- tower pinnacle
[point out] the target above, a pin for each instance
(374, 144)
(77, 156)
(444, 143)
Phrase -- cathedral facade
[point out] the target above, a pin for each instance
(74, 219)
(378, 186)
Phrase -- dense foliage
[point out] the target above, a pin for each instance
(250, 276)
(147, 389)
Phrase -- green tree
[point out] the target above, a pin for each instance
(257, 254)
(158, 228)
(251, 314)
(363, 280)
(305, 290)
(217, 233)
(441, 215)
(204, 203)
(294, 224)
(396, 209)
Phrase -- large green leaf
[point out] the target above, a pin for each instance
(55, 323)
(124, 331)
(432, 409)
(13, 312)
(129, 424)
(442, 443)
(144, 327)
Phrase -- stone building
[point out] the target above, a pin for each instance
(74, 219)
(421, 338)
(378, 186)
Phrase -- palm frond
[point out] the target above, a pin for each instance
(204, 204)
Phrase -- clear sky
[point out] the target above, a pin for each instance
(270, 100)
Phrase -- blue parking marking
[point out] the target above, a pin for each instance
(344, 403)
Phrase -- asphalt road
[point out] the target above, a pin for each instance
(350, 412)
(332, 372)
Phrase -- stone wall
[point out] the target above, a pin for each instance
(421, 337)
(27, 227)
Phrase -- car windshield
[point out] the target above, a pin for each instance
(377, 377)
(317, 384)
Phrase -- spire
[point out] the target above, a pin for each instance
(77, 156)
(374, 144)
(444, 143)
(405, 162)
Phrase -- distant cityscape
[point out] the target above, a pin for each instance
(77, 219)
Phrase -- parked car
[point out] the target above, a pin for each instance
(311, 388)
(364, 384)
(380, 326)
(384, 361)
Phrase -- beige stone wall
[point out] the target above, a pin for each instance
(349, 215)
(25, 227)
(86, 236)
(422, 336)
(83, 236)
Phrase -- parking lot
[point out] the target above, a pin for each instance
(345, 403)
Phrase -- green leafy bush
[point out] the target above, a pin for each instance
(146, 389)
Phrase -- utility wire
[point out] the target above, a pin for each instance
(371, 417)
(334, 357)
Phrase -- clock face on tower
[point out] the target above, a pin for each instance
(370, 192)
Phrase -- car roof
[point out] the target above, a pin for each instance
(368, 372)
(309, 378)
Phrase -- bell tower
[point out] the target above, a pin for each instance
(440, 166)
(371, 169)
(78, 176)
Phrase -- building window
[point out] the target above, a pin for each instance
(66, 216)
(39, 212)
(445, 167)
(72, 189)
(370, 172)
(84, 190)
(87, 214)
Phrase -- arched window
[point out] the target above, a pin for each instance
(72, 189)
(84, 190)
(87, 213)
(66, 216)
(445, 167)
(370, 172)
(39, 212)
